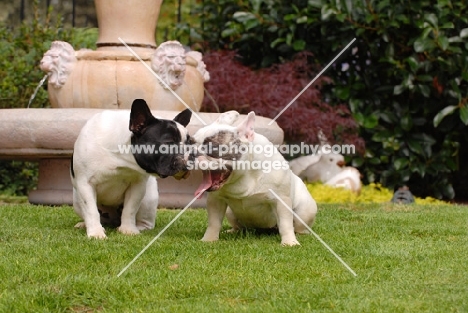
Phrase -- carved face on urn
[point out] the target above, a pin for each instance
(168, 61)
(58, 62)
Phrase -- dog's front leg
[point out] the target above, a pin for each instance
(84, 203)
(132, 201)
(285, 219)
(216, 209)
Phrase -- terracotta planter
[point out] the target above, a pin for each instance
(112, 77)
(132, 20)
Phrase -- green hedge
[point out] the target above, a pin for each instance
(21, 50)
(405, 79)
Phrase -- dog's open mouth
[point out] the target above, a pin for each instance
(212, 181)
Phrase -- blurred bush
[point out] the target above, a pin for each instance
(21, 49)
(267, 91)
(405, 79)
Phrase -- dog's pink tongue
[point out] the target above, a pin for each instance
(205, 184)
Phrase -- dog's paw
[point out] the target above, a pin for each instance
(209, 239)
(290, 243)
(232, 230)
(80, 225)
(128, 230)
(97, 233)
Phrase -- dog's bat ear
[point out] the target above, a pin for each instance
(246, 128)
(183, 118)
(140, 116)
(227, 118)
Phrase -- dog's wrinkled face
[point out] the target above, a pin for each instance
(222, 143)
(165, 138)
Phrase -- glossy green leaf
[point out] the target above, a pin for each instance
(432, 19)
(406, 122)
(315, 3)
(398, 89)
(423, 44)
(413, 63)
(415, 146)
(464, 33)
(448, 191)
(400, 163)
(425, 90)
(443, 42)
(342, 92)
(464, 114)
(370, 121)
(299, 45)
(301, 20)
(443, 113)
(448, 25)
(243, 16)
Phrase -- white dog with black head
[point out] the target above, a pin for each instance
(123, 184)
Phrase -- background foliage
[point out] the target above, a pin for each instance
(21, 50)
(267, 91)
(405, 79)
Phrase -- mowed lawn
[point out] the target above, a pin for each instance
(407, 259)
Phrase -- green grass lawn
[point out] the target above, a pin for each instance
(407, 258)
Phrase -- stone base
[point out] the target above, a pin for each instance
(48, 136)
(54, 186)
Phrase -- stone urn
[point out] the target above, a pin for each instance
(126, 65)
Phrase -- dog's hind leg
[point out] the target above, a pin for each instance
(232, 219)
(285, 223)
(304, 206)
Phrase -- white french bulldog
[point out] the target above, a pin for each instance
(107, 179)
(240, 187)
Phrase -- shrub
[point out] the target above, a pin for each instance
(21, 50)
(234, 86)
(405, 79)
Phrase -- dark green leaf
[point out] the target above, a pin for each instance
(443, 113)
(443, 42)
(371, 121)
(315, 3)
(398, 89)
(464, 33)
(448, 25)
(400, 163)
(415, 146)
(464, 114)
(406, 122)
(357, 162)
(301, 20)
(342, 92)
(448, 191)
(413, 63)
(299, 45)
(423, 45)
(425, 90)
(432, 19)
